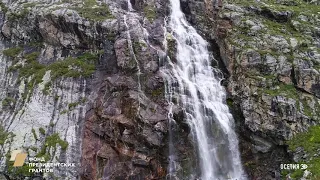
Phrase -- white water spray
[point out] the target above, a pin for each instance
(129, 6)
(196, 87)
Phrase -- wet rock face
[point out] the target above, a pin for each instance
(126, 129)
(127, 143)
(85, 82)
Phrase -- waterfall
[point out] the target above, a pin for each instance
(129, 6)
(195, 86)
(133, 55)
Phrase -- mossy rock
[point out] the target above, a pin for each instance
(310, 142)
(150, 12)
(92, 11)
(3, 135)
(12, 52)
(8, 102)
(74, 67)
(51, 142)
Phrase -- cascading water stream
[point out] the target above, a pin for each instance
(132, 53)
(196, 87)
(129, 6)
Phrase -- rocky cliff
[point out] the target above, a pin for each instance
(269, 51)
(80, 82)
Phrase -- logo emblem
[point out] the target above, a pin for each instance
(304, 166)
(18, 157)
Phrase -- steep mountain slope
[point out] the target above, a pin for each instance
(270, 53)
(71, 91)
(80, 82)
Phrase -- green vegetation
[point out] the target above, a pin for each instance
(138, 45)
(292, 27)
(287, 31)
(56, 98)
(310, 142)
(157, 92)
(290, 91)
(29, 5)
(70, 67)
(71, 106)
(14, 68)
(32, 57)
(16, 16)
(51, 124)
(172, 45)
(17, 172)
(286, 90)
(54, 139)
(51, 142)
(74, 67)
(92, 11)
(42, 131)
(8, 101)
(307, 110)
(90, 3)
(230, 102)
(297, 174)
(3, 7)
(150, 12)
(34, 134)
(317, 108)
(3, 135)
(12, 52)
(265, 29)
(33, 148)
(36, 44)
(64, 112)
(47, 88)
(297, 6)
(22, 171)
(82, 66)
